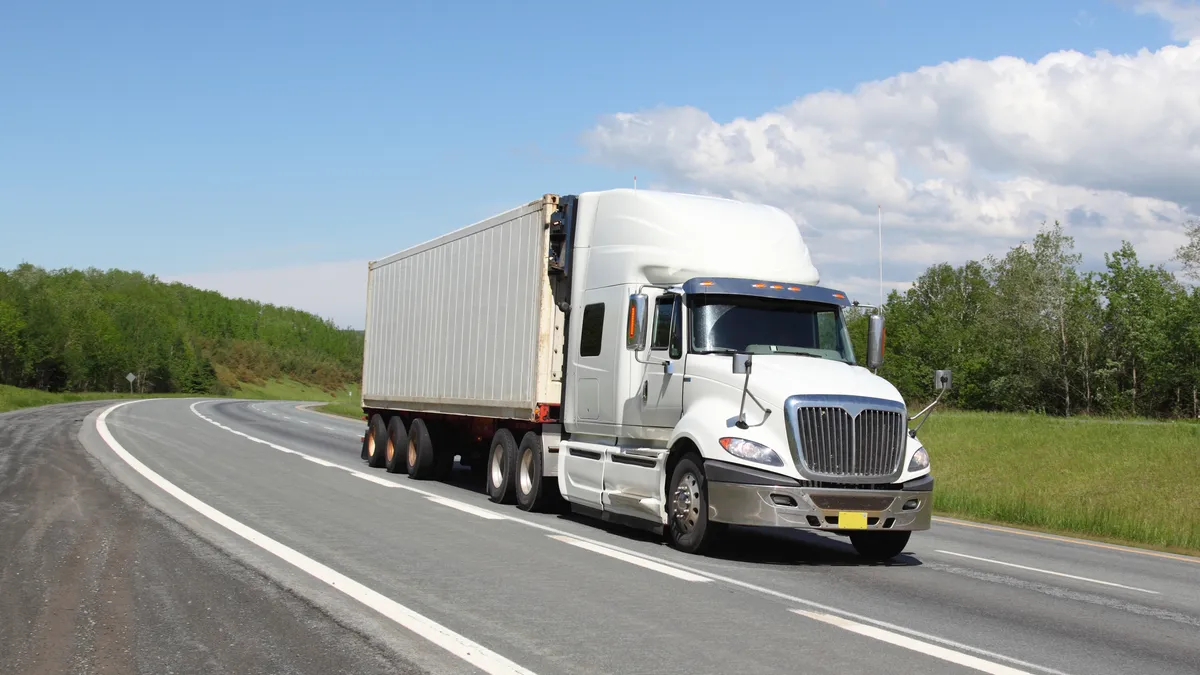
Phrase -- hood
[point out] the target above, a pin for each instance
(775, 377)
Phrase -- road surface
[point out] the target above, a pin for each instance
(323, 560)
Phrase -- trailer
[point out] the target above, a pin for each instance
(595, 352)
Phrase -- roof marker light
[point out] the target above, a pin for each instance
(760, 285)
(776, 288)
(706, 283)
(793, 288)
(839, 295)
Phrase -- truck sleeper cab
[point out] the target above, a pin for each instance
(664, 360)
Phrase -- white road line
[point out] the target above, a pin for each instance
(376, 479)
(322, 462)
(1042, 571)
(679, 567)
(468, 508)
(472, 652)
(915, 645)
(631, 559)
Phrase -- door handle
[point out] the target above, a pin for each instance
(645, 391)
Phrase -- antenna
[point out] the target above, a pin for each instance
(880, 207)
(635, 182)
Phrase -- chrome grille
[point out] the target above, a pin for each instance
(832, 442)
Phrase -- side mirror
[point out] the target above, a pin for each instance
(875, 339)
(742, 364)
(635, 336)
(941, 379)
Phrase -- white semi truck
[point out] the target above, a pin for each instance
(657, 359)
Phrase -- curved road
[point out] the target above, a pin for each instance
(442, 580)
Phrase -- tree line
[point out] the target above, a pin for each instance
(1030, 331)
(84, 330)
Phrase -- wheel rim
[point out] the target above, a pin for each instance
(412, 452)
(527, 472)
(497, 466)
(391, 450)
(686, 503)
(370, 444)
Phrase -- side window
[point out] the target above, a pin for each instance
(662, 323)
(827, 332)
(591, 339)
(677, 329)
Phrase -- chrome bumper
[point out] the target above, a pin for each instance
(816, 508)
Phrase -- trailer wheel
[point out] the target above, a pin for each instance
(501, 467)
(396, 454)
(376, 441)
(419, 458)
(879, 545)
(688, 527)
(532, 492)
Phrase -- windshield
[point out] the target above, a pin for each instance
(725, 324)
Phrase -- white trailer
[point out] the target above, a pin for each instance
(596, 351)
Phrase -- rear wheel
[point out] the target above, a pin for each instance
(501, 467)
(533, 493)
(376, 441)
(419, 457)
(688, 527)
(395, 459)
(879, 545)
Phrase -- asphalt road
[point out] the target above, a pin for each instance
(343, 563)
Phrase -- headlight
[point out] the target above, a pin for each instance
(755, 452)
(919, 461)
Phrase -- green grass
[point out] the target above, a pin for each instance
(15, 398)
(1134, 482)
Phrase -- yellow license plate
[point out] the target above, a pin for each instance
(852, 520)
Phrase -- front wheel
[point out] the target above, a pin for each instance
(879, 545)
(688, 527)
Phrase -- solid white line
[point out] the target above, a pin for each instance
(472, 652)
(712, 575)
(1057, 574)
(468, 508)
(633, 560)
(915, 645)
(376, 479)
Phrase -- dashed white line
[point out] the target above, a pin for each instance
(906, 642)
(468, 650)
(322, 462)
(467, 508)
(1050, 572)
(631, 559)
(377, 480)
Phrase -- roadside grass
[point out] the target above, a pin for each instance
(1135, 482)
(346, 405)
(16, 398)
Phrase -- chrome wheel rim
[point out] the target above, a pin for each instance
(685, 503)
(391, 449)
(497, 466)
(370, 444)
(527, 472)
(412, 453)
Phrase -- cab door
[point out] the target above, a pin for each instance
(661, 394)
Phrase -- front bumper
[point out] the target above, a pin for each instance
(741, 496)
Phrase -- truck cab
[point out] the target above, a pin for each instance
(711, 381)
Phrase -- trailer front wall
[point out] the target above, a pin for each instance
(453, 324)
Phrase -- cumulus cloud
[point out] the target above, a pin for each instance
(332, 290)
(965, 157)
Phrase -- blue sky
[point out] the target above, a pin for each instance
(220, 136)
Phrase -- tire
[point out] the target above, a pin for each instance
(376, 441)
(419, 457)
(533, 493)
(396, 451)
(501, 468)
(688, 527)
(879, 545)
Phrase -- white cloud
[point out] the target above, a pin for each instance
(334, 290)
(965, 157)
(1184, 17)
